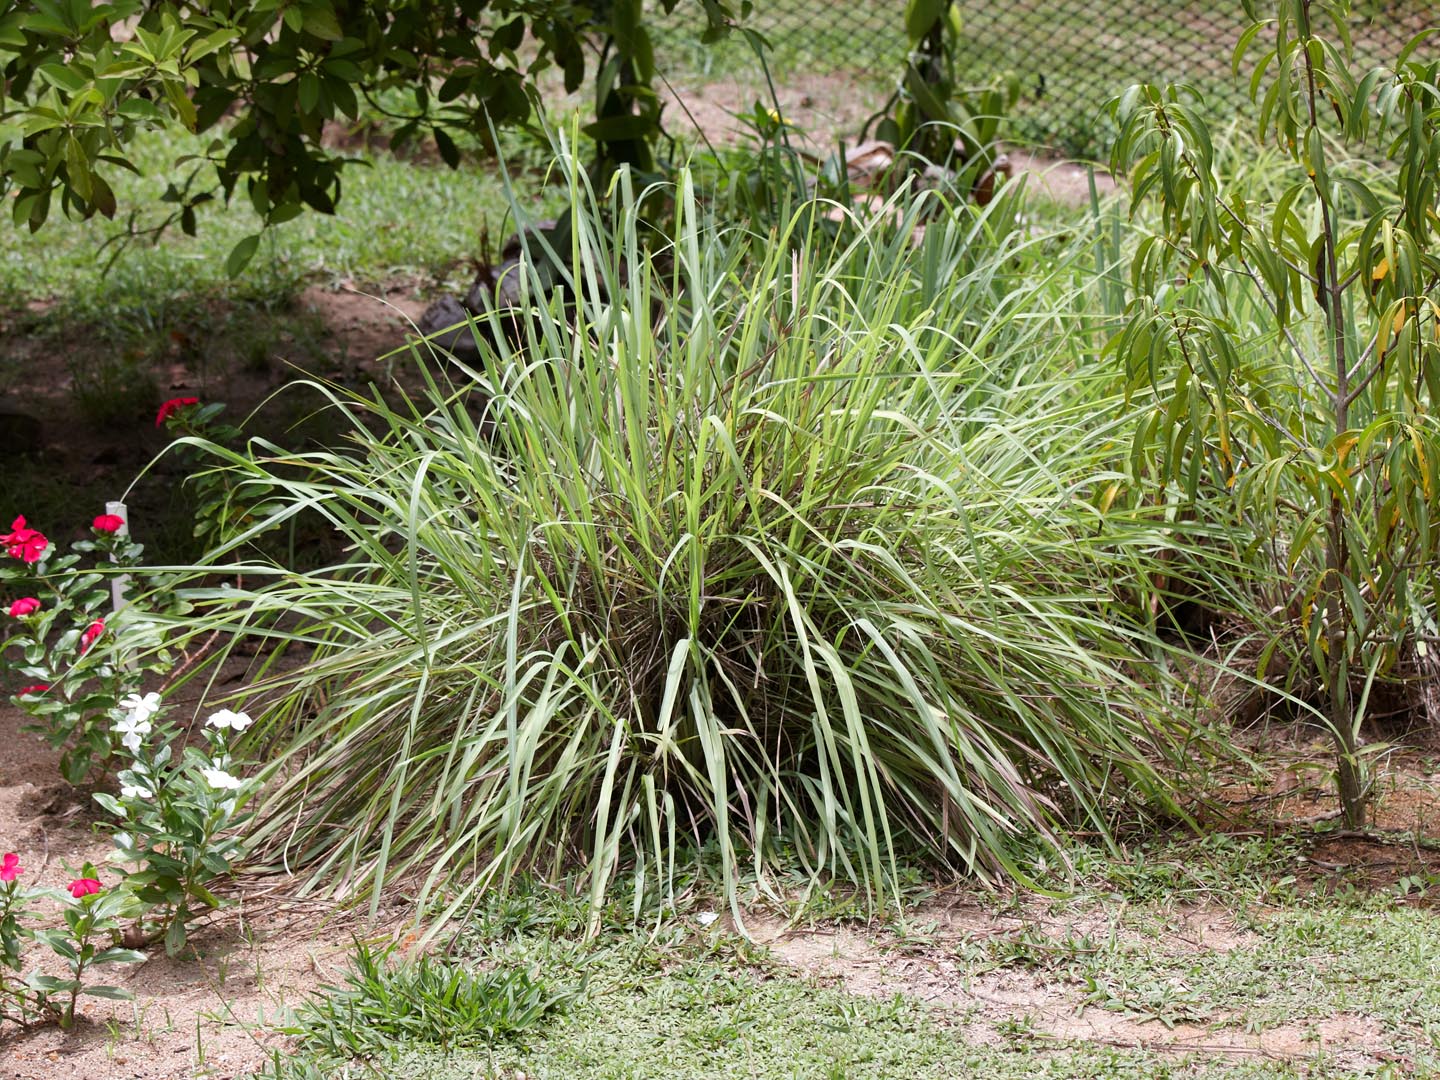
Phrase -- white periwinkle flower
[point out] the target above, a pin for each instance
(135, 791)
(140, 709)
(221, 780)
(132, 731)
(225, 719)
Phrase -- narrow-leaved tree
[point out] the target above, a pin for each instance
(1290, 339)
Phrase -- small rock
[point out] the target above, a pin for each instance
(438, 323)
(495, 287)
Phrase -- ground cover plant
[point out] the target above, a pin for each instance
(1193, 959)
(441, 1003)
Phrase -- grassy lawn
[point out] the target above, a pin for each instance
(1191, 959)
(397, 217)
(804, 39)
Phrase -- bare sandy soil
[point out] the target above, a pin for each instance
(201, 1014)
(828, 109)
(880, 965)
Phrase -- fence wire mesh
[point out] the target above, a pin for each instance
(1069, 56)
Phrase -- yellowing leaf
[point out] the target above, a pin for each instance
(1343, 445)
(1419, 447)
(1107, 499)
(1382, 269)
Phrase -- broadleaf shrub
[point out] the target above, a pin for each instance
(81, 80)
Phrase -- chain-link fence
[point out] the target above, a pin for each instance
(1069, 56)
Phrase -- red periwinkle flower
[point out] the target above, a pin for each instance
(91, 633)
(37, 688)
(84, 887)
(174, 405)
(10, 867)
(108, 523)
(22, 543)
(26, 605)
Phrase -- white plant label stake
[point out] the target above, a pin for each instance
(120, 582)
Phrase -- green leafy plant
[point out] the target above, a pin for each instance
(15, 913)
(932, 116)
(174, 817)
(761, 179)
(62, 641)
(65, 638)
(1291, 344)
(81, 79)
(89, 938)
(427, 1001)
(760, 546)
(175, 820)
(216, 515)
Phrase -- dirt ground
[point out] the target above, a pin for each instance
(930, 966)
(826, 109)
(822, 109)
(210, 1014)
(200, 1015)
(1053, 1008)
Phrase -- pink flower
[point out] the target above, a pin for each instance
(91, 633)
(108, 523)
(23, 543)
(37, 688)
(174, 405)
(84, 887)
(10, 867)
(26, 605)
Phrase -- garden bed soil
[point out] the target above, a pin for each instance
(201, 1014)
